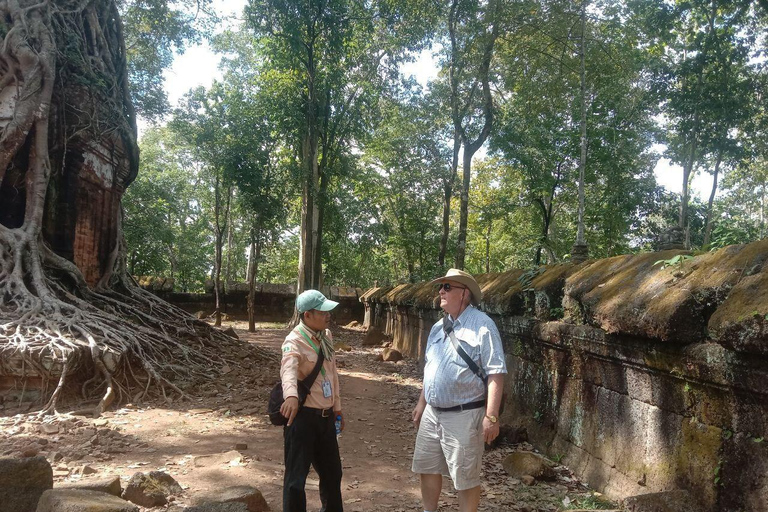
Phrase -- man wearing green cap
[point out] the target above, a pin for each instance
(310, 434)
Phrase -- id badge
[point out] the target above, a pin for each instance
(327, 388)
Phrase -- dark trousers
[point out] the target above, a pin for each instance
(311, 439)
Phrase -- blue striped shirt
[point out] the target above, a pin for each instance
(448, 381)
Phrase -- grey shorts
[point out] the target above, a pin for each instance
(451, 444)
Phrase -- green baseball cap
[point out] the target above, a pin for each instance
(313, 299)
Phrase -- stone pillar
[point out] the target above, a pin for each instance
(579, 252)
(671, 238)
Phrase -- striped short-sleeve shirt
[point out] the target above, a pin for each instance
(448, 381)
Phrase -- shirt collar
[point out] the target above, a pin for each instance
(457, 322)
(309, 331)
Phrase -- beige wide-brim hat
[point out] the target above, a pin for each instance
(464, 279)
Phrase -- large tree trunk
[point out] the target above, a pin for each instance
(580, 251)
(221, 219)
(68, 308)
(253, 268)
(447, 195)
(708, 229)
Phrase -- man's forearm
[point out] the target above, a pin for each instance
(495, 389)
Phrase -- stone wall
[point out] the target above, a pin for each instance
(642, 376)
(274, 302)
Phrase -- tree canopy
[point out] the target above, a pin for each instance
(346, 170)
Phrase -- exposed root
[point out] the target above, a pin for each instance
(66, 61)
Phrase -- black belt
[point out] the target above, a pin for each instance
(320, 412)
(462, 407)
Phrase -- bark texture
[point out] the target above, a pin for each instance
(70, 315)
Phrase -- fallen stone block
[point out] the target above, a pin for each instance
(519, 464)
(217, 507)
(81, 500)
(392, 355)
(151, 489)
(23, 481)
(207, 461)
(373, 338)
(110, 485)
(245, 494)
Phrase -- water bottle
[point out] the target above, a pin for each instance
(338, 425)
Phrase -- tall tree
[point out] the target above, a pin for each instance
(337, 54)
(703, 47)
(473, 28)
(540, 129)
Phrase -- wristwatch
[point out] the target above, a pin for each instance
(493, 418)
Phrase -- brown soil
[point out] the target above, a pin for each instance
(195, 441)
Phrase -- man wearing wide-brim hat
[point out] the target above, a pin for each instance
(459, 403)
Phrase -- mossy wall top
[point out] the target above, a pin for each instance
(670, 296)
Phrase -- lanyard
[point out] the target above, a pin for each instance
(314, 347)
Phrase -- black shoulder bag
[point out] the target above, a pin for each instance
(276, 395)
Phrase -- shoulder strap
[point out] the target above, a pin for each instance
(472, 365)
(310, 379)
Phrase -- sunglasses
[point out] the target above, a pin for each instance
(448, 287)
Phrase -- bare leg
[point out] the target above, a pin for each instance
(469, 499)
(431, 485)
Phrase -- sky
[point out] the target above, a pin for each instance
(199, 66)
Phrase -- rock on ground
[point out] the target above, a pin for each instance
(108, 484)
(519, 464)
(373, 338)
(23, 481)
(80, 500)
(392, 355)
(249, 496)
(233, 506)
(151, 489)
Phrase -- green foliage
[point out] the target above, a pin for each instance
(590, 502)
(675, 261)
(328, 74)
(154, 31)
(164, 222)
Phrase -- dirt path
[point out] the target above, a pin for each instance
(222, 438)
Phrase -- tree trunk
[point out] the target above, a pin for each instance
(68, 307)
(310, 213)
(253, 267)
(687, 171)
(221, 218)
(708, 229)
(762, 211)
(488, 247)
(230, 235)
(447, 195)
(580, 241)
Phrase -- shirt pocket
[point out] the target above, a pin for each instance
(470, 342)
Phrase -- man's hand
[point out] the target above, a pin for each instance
(417, 412)
(335, 415)
(490, 430)
(289, 408)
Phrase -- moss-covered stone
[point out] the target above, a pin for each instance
(741, 321)
(643, 296)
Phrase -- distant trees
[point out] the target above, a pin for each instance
(346, 171)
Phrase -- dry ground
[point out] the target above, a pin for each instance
(222, 438)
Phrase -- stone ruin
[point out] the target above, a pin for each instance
(645, 373)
